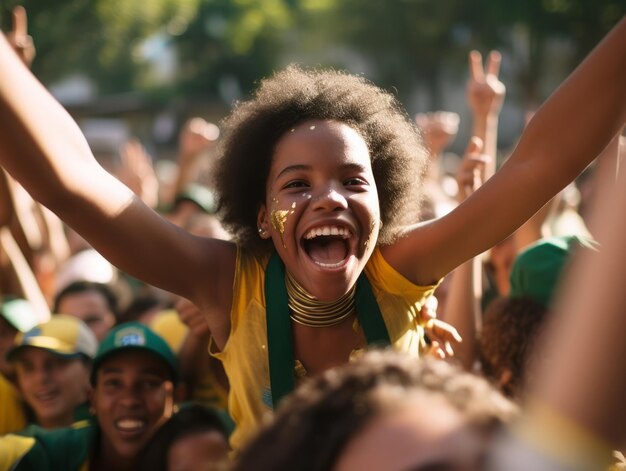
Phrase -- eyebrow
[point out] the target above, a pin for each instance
(298, 167)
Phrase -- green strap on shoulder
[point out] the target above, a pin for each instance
(279, 335)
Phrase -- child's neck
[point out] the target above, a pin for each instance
(319, 349)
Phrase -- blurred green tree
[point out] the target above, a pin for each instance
(229, 45)
(98, 38)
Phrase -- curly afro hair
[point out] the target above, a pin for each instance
(315, 423)
(293, 96)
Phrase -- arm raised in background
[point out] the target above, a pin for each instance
(463, 303)
(576, 409)
(45, 151)
(485, 95)
(569, 130)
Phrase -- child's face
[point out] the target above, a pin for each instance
(321, 209)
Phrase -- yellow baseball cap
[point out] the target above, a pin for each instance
(62, 335)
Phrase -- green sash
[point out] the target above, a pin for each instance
(279, 335)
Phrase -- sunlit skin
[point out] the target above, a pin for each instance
(132, 398)
(419, 435)
(90, 307)
(322, 172)
(321, 177)
(53, 386)
(200, 451)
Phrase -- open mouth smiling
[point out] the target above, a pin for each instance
(47, 396)
(130, 427)
(328, 246)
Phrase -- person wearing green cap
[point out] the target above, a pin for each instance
(133, 378)
(513, 324)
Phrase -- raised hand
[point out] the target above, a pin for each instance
(193, 318)
(485, 93)
(196, 136)
(19, 38)
(439, 129)
(471, 172)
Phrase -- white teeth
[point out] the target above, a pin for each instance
(326, 231)
(129, 424)
(46, 396)
(328, 265)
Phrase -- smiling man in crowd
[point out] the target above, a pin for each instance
(133, 377)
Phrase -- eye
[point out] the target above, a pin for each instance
(111, 383)
(355, 181)
(27, 367)
(150, 384)
(295, 184)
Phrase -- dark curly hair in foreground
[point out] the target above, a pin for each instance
(293, 96)
(312, 427)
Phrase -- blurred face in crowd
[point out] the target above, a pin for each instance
(52, 385)
(133, 396)
(197, 451)
(92, 308)
(420, 435)
(7, 337)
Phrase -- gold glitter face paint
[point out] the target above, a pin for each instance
(278, 218)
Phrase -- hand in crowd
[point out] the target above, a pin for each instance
(441, 334)
(19, 38)
(438, 129)
(485, 92)
(193, 318)
(470, 174)
(137, 172)
(196, 136)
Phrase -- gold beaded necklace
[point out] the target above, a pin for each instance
(309, 311)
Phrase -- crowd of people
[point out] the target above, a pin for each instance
(330, 298)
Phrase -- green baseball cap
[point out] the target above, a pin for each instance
(198, 194)
(134, 336)
(19, 313)
(537, 270)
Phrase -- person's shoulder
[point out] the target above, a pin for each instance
(63, 448)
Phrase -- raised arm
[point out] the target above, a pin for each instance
(45, 151)
(571, 128)
(485, 94)
(575, 411)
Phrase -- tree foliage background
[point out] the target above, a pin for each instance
(224, 46)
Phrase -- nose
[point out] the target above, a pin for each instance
(42, 374)
(330, 198)
(130, 397)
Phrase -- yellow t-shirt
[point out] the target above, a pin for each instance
(245, 354)
(12, 418)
